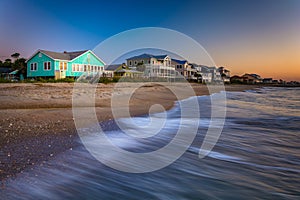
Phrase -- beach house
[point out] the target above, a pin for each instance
(153, 66)
(225, 74)
(148, 59)
(58, 65)
(185, 69)
(121, 70)
(252, 78)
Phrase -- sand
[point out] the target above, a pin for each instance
(36, 120)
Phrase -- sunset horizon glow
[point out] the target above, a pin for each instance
(259, 37)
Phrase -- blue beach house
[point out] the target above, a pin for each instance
(49, 64)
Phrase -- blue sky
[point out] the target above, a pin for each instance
(237, 34)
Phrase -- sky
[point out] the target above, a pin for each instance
(246, 36)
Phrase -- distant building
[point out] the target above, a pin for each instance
(225, 74)
(121, 70)
(4, 71)
(267, 80)
(251, 78)
(216, 76)
(49, 64)
(148, 59)
(153, 66)
(185, 69)
(206, 74)
(236, 79)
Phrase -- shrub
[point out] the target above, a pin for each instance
(2, 80)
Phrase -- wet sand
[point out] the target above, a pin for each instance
(36, 120)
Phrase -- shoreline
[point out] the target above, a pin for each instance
(36, 127)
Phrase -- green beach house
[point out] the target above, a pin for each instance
(49, 64)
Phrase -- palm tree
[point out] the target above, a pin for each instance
(15, 55)
(8, 60)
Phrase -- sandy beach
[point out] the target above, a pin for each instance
(36, 120)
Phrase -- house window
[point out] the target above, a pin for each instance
(40, 55)
(149, 62)
(63, 66)
(130, 63)
(134, 62)
(92, 68)
(47, 66)
(33, 66)
(76, 67)
(85, 68)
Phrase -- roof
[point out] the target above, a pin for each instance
(64, 55)
(182, 62)
(5, 69)
(14, 72)
(205, 69)
(194, 65)
(112, 67)
(68, 56)
(130, 71)
(236, 76)
(253, 75)
(145, 55)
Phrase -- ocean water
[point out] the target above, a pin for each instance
(256, 157)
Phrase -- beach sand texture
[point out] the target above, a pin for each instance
(36, 120)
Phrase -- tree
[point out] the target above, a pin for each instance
(15, 55)
(8, 60)
(20, 64)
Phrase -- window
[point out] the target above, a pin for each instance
(33, 66)
(92, 68)
(65, 66)
(130, 63)
(40, 54)
(134, 62)
(76, 67)
(149, 62)
(85, 68)
(47, 66)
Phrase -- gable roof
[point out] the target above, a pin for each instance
(112, 67)
(145, 55)
(64, 55)
(60, 55)
(256, 76)
(182, 62)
